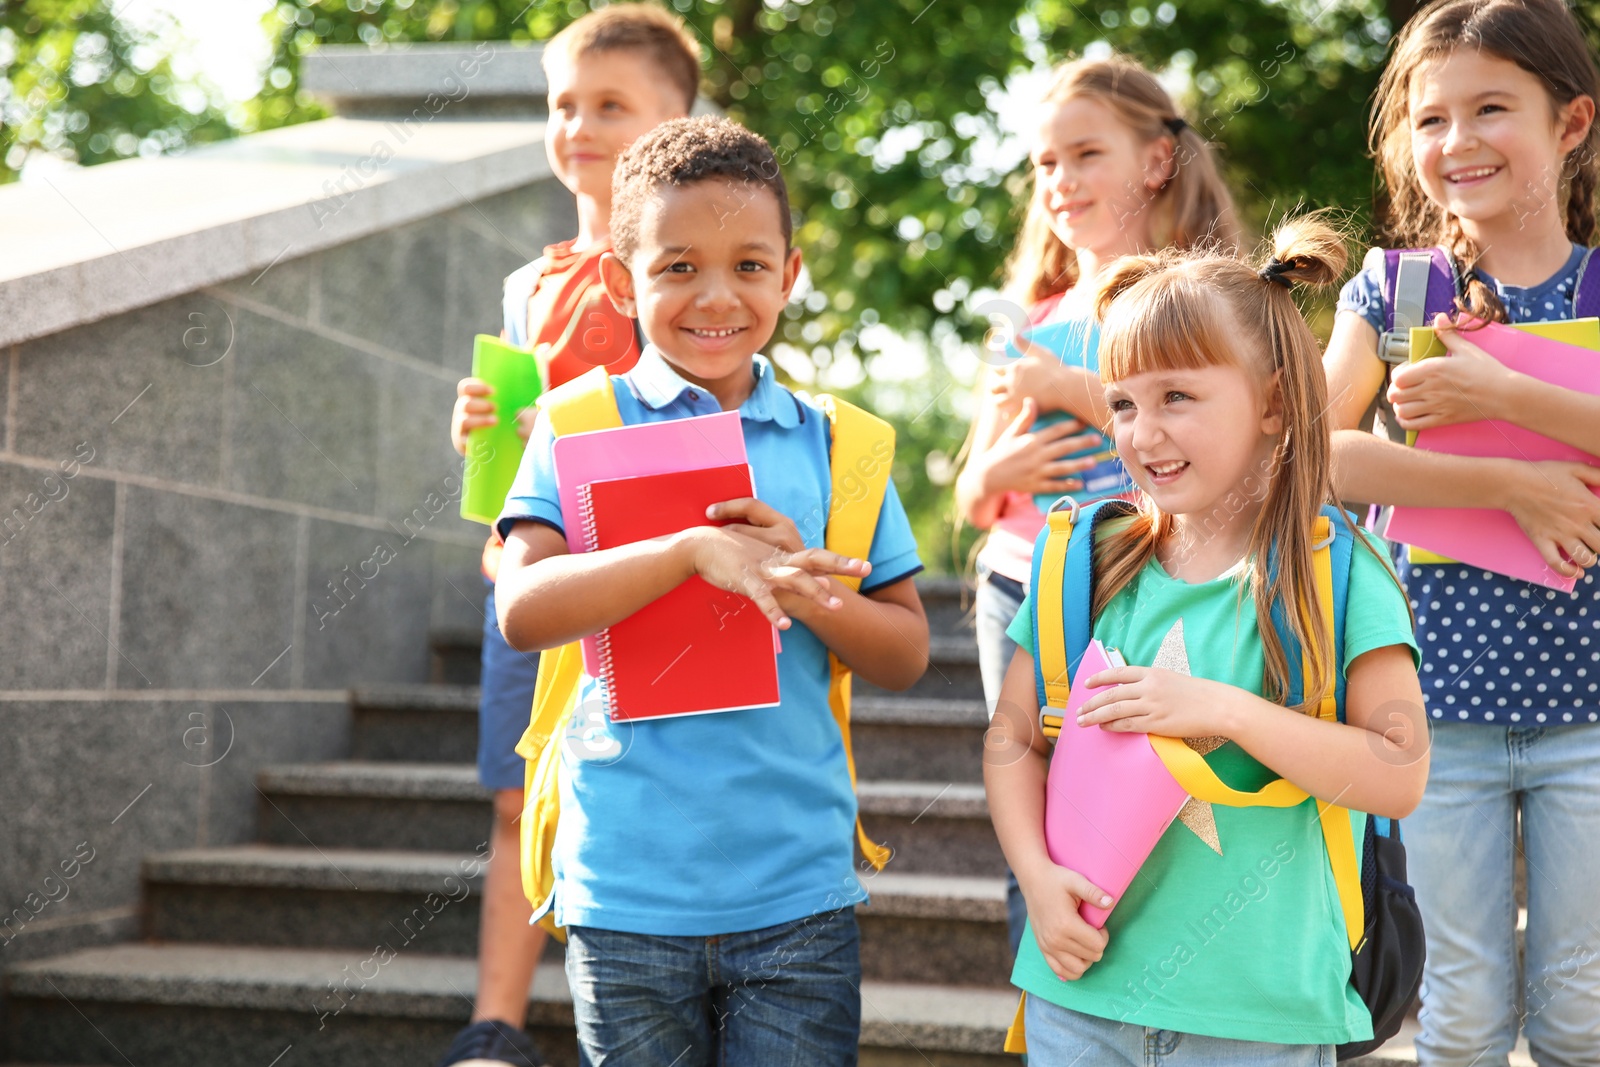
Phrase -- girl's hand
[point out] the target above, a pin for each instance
(471, 411)
(741, 560)
(1037, 374)
(1022, 461)
(1154, 700)
(1467, 386)
(1555, 505)
(1066, 939)
(525, 420)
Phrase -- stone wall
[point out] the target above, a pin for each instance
(223, 507)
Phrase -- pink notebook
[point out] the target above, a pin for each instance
(1483, 537)
(1109, 797)
(631, 451)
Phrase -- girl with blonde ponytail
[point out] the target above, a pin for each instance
(1231, 937)
(1116, 170)
(1483, 128)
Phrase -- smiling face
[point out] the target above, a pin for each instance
(1097, 180)
(710, 274)
(1487, 143)
(1190, 437)
(600, 102)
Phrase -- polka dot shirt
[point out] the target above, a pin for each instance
(1496, 650)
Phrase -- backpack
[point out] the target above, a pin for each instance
(1419, 283)
(1382, 921)
(860, 440)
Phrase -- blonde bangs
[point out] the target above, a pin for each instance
(1172, 323)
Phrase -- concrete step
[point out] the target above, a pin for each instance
(415, 723)
(952, 671)
(224, 1006)
(895, 737)
(918, 928)
(439, 807)
(455, 655)
(918, 739)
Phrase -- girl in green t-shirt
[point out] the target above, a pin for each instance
(1230, 944)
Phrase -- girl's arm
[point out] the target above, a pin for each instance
(1016, 760)
(1376, 761)
(1007, 455)
(1053, 385)
(1551, 501)
(1471, 384)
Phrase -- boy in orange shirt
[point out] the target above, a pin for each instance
(613, 75)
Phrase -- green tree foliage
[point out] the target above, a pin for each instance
(908, 185)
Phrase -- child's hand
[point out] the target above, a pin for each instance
(1468, 386)
(1066, 939)
(1554, 503)
(525, 420)
(1023, 461)
(740, 560)
(1154, 700)
(471, 411)
(766, 522)
(1038, 374)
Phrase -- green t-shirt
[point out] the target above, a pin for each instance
(1248, 945)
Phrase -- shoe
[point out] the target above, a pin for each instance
(495, 1041)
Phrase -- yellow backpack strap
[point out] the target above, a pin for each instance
(1017, 1032)
(1201, 782)
(585, 403)
(1052, 641)
(861, 456)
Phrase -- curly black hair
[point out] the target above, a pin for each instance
(682, 152)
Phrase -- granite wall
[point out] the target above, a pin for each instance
(217, 513)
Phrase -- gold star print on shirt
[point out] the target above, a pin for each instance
(1197, 815)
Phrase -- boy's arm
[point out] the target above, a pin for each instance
(546, 596)
(881, 636)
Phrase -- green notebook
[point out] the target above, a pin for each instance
(495, 452)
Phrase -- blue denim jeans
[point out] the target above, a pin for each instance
(1059, 1037)
(505, 700)
(997, 602)
(1460, 852)
(784, 996)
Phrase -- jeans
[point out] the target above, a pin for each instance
(1460, 852)
(1060, 1037)
(998, 599)
(785, 996)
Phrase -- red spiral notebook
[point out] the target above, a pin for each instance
(697, 649)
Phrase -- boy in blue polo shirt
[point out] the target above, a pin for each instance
(704, 865)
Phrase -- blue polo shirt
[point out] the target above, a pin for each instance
(739, 820)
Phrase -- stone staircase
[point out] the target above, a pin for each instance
(345, 935)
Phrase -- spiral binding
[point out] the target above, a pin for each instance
(602, 640)
(586, 516)
(608, 678)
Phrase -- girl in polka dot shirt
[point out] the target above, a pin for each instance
(1484, 129)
